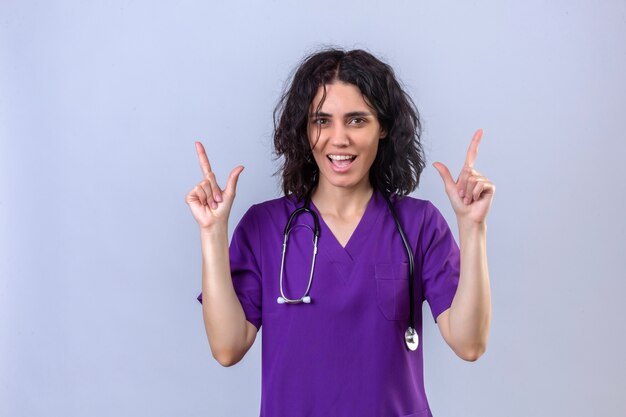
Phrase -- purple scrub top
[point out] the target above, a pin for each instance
(344, 353)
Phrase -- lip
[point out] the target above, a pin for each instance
(340, 154)
(340, 169)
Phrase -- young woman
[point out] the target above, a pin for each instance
(340, 297)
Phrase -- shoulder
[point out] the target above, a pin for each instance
(420, 215)
(412, 206)
(420, 206)
(268, 214)
(274, 206)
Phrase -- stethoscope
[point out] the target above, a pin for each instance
(411, 338)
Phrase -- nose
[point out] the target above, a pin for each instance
(339, 136)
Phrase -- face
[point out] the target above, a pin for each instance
(349, 132)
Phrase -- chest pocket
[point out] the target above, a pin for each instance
(392, 290)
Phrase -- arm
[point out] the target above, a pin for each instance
(465, 325)
(227, 329)
(229, 334)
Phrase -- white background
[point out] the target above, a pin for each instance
(100, 105)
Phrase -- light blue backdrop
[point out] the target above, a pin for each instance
(100, 105)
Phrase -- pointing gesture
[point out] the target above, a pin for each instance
(209, 204)
(471, 195)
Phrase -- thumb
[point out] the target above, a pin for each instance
(231, 185)
(444, 172)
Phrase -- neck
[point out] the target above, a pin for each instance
(341, 202)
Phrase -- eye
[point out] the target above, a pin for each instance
(320, 121)
(357, 121)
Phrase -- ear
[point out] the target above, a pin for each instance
(383, 133)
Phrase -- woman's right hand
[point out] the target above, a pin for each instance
(209, 204)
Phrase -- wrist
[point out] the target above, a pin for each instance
(216, 230)
(470, 226)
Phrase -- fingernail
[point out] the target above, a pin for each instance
(218, 198)
(462, 193)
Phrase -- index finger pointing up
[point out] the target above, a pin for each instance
(473, 148)
(204, 160)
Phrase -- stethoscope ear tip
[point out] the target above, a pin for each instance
(306, 299)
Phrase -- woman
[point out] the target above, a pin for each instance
(349, 137)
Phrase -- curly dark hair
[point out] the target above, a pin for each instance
(400, 158)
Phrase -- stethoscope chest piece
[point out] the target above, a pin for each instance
(411, 338)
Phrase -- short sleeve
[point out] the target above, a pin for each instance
(441, 263)
(245, 268)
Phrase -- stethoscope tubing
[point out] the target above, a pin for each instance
(410, 336)
(411, 261)
(316, 233)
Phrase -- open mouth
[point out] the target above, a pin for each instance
(341, 161)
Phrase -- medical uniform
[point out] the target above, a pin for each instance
(344, 353)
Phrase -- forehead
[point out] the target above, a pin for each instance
(340, 96)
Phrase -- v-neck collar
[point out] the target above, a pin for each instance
(354, 247)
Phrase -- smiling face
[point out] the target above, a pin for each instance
(349, 132)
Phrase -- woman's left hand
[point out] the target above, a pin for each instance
(472, 193)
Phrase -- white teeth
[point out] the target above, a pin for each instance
(341, 157)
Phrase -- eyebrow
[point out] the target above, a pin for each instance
(350, 114)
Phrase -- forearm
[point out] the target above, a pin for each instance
(470, 313)
(224, 318)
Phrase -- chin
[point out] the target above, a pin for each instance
(346, 183)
